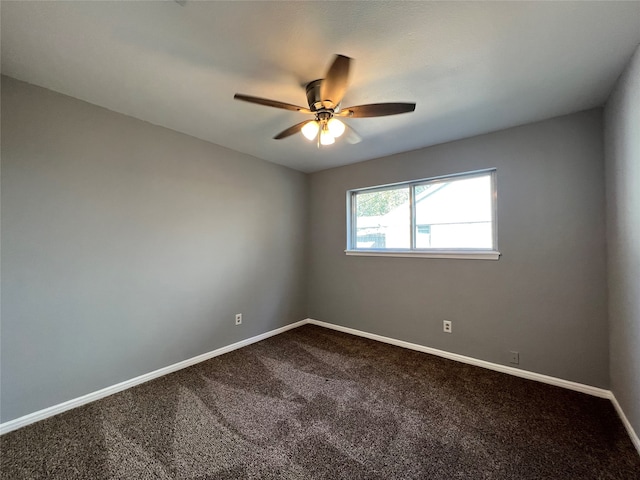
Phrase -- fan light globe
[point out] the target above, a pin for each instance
(336, 127)
(326, 138)
(310, 130)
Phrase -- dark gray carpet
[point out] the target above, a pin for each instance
(313, 403)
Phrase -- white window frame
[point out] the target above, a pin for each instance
(464, 253)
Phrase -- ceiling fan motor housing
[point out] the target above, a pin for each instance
(313, 95)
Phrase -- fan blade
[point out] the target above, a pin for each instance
(270, 103)
(376, 110)
(335, 83)
(291, 130)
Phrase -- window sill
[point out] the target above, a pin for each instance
(466, 255)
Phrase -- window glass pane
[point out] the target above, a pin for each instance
(383, 219)
(454, 214)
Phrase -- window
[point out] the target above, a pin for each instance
(452, 216)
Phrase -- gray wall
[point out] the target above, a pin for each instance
(546, 296)
(622, 153)
(127, 247)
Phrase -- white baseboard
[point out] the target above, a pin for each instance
(91, 397)
(559, 382)
(625, 421)
(579, 387)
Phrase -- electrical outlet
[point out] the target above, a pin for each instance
(514, 357)
(238, 318)
(446, 326)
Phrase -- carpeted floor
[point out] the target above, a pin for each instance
(313, 403)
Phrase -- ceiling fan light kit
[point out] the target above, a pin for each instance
(310, 129)
(324, 97)
(326, 138)
(335, 127)
(328, 128)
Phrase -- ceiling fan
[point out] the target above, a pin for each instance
(324, 97)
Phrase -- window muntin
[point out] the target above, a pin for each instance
(452, 214)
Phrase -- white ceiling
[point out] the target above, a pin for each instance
(471, 67)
